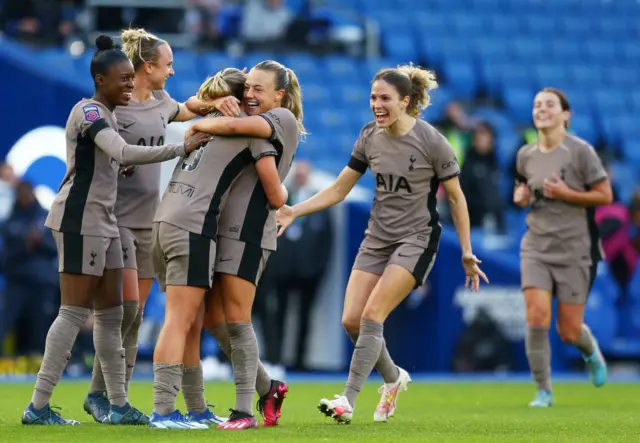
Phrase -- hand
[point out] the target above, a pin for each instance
(284, 218)
(190, 132)
(127, 171)
(470, 264)
(522, 195)
(554, 188)
(229, 106)
(195, 141)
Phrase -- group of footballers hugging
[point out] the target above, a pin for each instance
(208, 239)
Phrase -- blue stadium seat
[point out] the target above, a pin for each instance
(624, 174)
(584, 128)
(499, 120)
(436, 50)
(575, 26)
(490, 49)
(212, 62)
(371, 66)
(516, 76)
(313, 94)
(602, 51)
(567, 51)
(612, 27)
(546, 25)
(468, 25)
(610, 101)
(581, 102)
(600, 312)
(630, 130)
(586, 75)
(518, 102)
(630, 50)
(361, 117)
(503, 25)
(552, 75)
(622, 76)
(439, 100)
(340, 67)
(461, 77)
(302, 64)
(82, 64)
(527, 49)
(352, 95)
(635, 100)
(186, 66)
(610, 127)
(401, 47)
(430, 23)
(252, 59)
(183, 89)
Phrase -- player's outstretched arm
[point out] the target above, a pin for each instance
(460, 215)
(329, 196)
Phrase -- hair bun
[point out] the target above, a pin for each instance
(104, 42)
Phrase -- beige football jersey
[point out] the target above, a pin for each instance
(200, 184)
(559, 232)
(86, 198)
(247, 215)
(143, 124)
(407, 170)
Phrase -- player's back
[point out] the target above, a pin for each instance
(407, 171)
(199, 186)
(142, 124)
(86, 198)
(247, 215)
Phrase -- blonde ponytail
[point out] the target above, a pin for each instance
(293, 99)
(140, 46)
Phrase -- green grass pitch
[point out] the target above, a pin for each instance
(428, 412)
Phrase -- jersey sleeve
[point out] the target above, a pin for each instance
(171, 106)
(520, 178)
(261, 148)
(107, 139)
(358, 161)
(282, 121)
(592, 170)
(445, 163)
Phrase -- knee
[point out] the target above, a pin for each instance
(351, 324)
(569, 333)
(180, 323)
(538, 315)
(235, 311)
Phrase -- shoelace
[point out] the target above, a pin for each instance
(54, 414)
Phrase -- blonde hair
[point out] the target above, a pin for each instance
(412, 81)
(286, 79)
(140, 46)
(229, 81)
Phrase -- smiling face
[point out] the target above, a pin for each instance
(161, 69)
(386, 103)
(548, 112)
(260, 93)
(117, 85)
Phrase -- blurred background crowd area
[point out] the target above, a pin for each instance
(490, 57)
